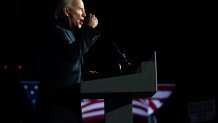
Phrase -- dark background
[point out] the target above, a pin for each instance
(182, 32)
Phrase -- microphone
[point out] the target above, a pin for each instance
(122, 55)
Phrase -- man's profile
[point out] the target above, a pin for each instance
(61, 62)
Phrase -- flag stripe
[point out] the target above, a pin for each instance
(100, 117)
(139, 111)
(92, 106)
(93, 114)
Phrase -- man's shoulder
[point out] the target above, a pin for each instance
(63, 33)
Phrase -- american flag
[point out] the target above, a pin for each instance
(31, 88)
(93, 109)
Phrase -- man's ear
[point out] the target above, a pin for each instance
(66, 11)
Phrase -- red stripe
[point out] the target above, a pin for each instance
(139, 116)
(166, 87)
(92, 102)
(93, 110)
(152, 105)
(100, 117)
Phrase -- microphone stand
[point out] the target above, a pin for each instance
(120, 68)
(122, 57)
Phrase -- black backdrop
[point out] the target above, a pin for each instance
(183, 33)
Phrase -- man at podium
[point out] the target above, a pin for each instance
(61, 61)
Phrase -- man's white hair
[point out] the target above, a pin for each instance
(59, 7)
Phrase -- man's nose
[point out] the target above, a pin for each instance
(84, 14)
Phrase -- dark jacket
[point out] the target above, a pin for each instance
(61, 55)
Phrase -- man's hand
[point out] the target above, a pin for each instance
(92, 20)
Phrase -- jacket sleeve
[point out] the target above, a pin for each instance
(88, 35)
(75, 45)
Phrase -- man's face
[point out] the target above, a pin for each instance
(77, 13)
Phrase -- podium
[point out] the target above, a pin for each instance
(118, 91)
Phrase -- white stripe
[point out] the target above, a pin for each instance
(162, 94)
(150, 111)
(93, 114)
(138, 103)
(139, 111)
(93, 106)
(157, 103)
(84, 103)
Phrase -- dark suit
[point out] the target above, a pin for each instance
(61, 60)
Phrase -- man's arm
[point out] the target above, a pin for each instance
(89, 35)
